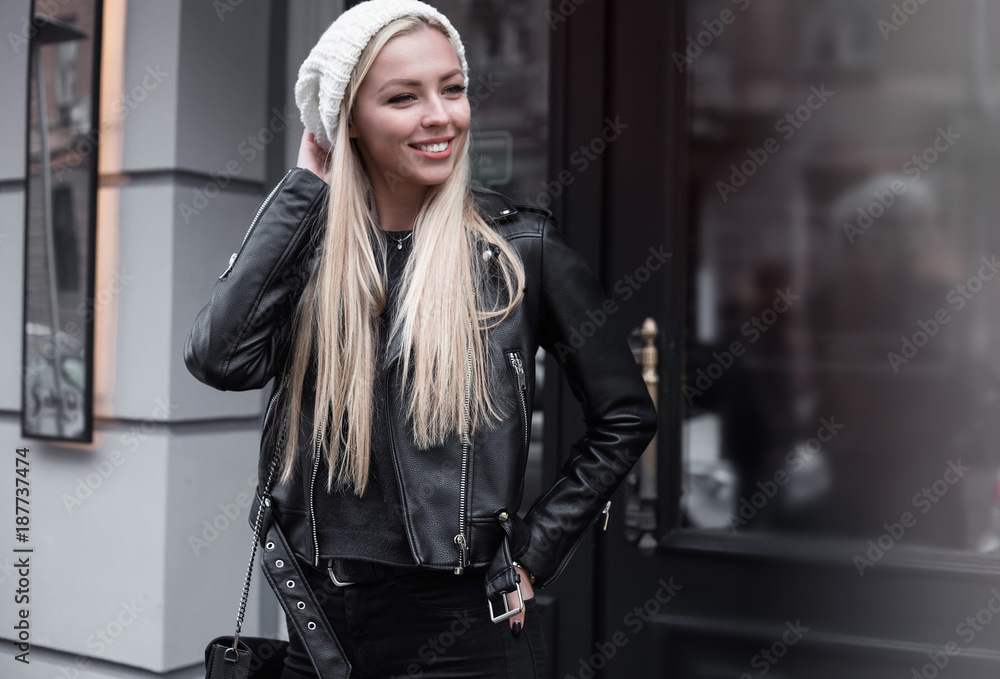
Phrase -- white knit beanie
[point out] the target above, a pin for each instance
(323, 76)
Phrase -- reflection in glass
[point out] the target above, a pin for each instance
(59, 233)
(842, 360)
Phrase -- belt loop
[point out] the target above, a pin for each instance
(390, 575)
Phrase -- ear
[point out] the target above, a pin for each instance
(351, 130)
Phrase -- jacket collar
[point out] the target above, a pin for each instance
(493, 207)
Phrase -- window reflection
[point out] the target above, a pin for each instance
(842, 363)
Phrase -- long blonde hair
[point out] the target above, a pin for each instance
(336, 318)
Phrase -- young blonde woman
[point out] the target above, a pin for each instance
(396, 304)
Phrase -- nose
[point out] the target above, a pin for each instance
(435, 114)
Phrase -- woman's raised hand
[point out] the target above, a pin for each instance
(312, 157)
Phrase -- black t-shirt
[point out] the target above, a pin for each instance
(375, 531)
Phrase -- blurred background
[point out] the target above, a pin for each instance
(792, 205)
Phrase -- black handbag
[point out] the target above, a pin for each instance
(235, 657)
(253, 657)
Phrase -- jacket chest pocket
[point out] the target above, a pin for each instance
(521, 382)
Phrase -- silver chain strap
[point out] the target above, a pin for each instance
(260, 512)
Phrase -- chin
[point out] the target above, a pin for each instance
(435, 178)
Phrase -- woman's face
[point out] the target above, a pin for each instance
(411, 112)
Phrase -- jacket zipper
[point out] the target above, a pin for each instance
(312, 488)
(515, 361)
(562, 565)
(274, 399)
(460, 539)
(260, 210)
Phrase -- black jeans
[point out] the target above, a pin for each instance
(431, 625)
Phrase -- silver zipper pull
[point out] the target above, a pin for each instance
(462, 556)
(232, 258)
(516, 361)
(607, 514)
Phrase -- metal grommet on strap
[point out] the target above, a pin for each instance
(279, 563)
(311, 625)
(503, 516)
(301, 604)
(270, 545)
(290, 583)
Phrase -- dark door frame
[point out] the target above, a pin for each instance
(616, 107)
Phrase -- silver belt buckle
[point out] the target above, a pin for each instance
(333, 576)
(507, 612)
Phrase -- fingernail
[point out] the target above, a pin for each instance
(516, 628)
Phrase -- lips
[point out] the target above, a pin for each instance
(435, 140)
(434, 145)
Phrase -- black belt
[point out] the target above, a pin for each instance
(345, 572)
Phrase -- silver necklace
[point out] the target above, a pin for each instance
(399, 241)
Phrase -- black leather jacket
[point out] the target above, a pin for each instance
(454, 493)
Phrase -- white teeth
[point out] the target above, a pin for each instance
(434, 148)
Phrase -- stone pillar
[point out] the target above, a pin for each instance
(141, 539)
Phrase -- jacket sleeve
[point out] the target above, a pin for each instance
(576, 328)
(239, 338)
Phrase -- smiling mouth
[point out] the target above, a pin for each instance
(433, 148)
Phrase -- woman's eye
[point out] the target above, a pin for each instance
(454, 89)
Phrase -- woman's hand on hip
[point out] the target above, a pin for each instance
(312, 157)
(526, 593)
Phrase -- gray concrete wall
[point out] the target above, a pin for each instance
(142, 537)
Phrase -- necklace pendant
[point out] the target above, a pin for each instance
(399, 245)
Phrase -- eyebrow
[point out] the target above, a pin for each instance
(416, 83)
